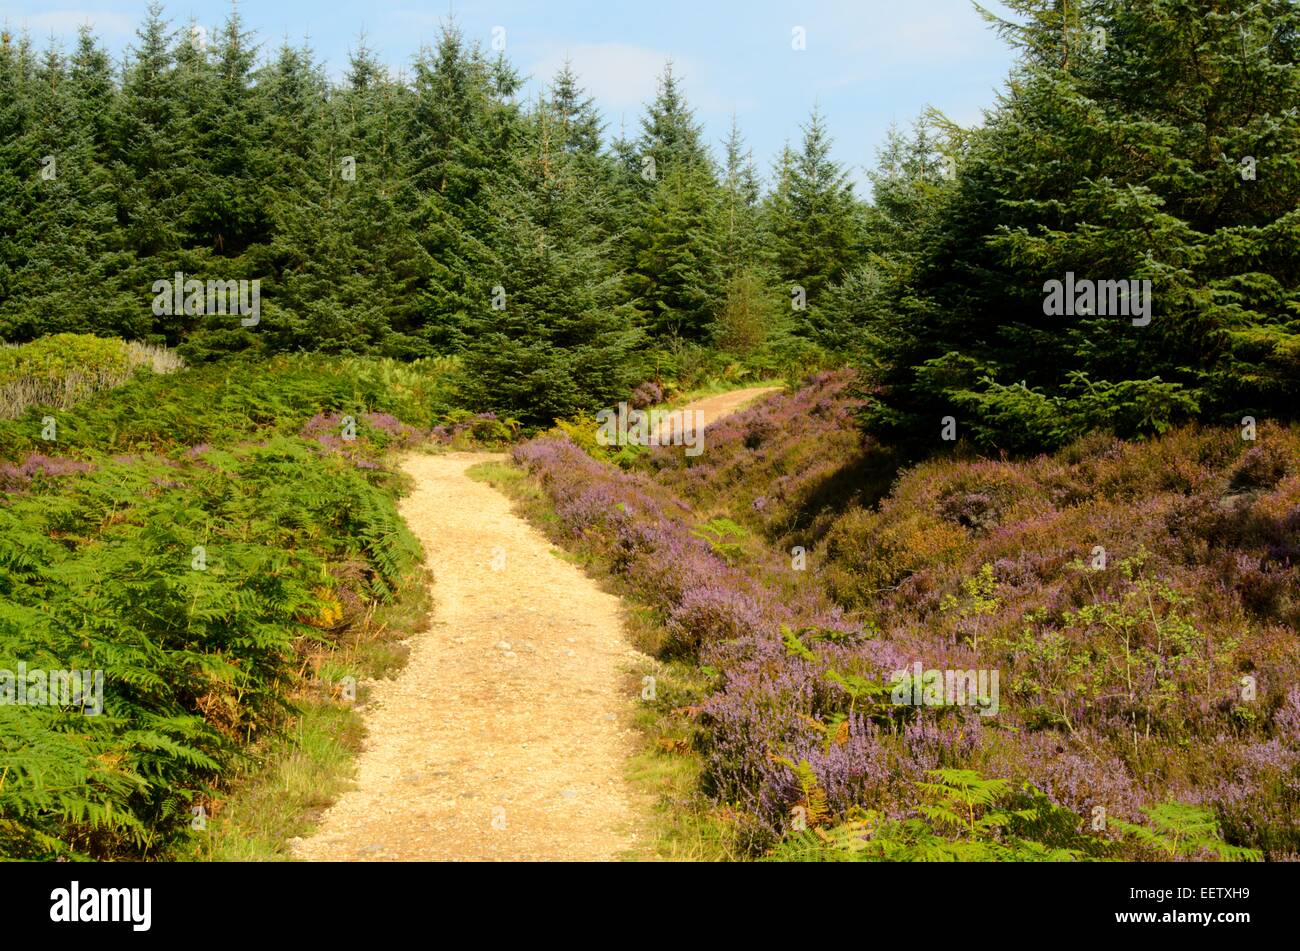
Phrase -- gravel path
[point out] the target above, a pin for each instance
(504, 737)
(506, 734)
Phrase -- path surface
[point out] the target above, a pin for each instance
(716, 407)
(505, 736)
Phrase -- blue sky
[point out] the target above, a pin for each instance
(866, 63)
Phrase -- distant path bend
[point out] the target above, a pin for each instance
(716, 407)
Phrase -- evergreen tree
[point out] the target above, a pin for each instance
(1144, 141)
(910, 182)
(62, 278)
(93, 94)
(754, 310)
(815, 222)
(740, 205)
(347, 261)
(677, 276)
(462, 120)
(18, 166)
(556, 341)
(579, 125)
(227, 212)
(149, 145)
(674, 223)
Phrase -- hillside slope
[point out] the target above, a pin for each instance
(1137, 602)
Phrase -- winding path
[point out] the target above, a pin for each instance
(506, 735)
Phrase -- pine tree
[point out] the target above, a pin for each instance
(462, 119)
(673, 225)
(753, 310)
(559, 341)
(93, 93)
(1147, 141)
(677, 276)
(814, 222)
(18, 165)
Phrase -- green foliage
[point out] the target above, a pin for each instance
(795, 646)
(550, 338)
(1090, 165)
(976, 599)
(965, 817)
(61, 370)
(962, 817)
(751, 314)
(1017, 417)
(725, 538)
(676, 275)
(861, 690)
(1178, 830)
(194, 580)
(380, 214)
(224, 402)
(813, 218)
(673, 238)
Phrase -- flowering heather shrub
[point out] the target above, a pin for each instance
(722, 613)
(782, 462)
(648, 393)
(19, 476)
(384, 429)
(375, 433)
(709, 613)
(1121, 677)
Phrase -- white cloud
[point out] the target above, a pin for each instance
(623, 78)
(619, 75)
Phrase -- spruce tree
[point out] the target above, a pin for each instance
(740, 205)
(552, 338)
(909, 184)
(754, 308)
(148, 139)
(579, 126)
(346, 260)
(674, 224)
(461, 121)
(815, 222)
(1146, 141)
(63, 278)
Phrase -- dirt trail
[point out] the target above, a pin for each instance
(505, 736)
(502, 737)
(716, 407)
